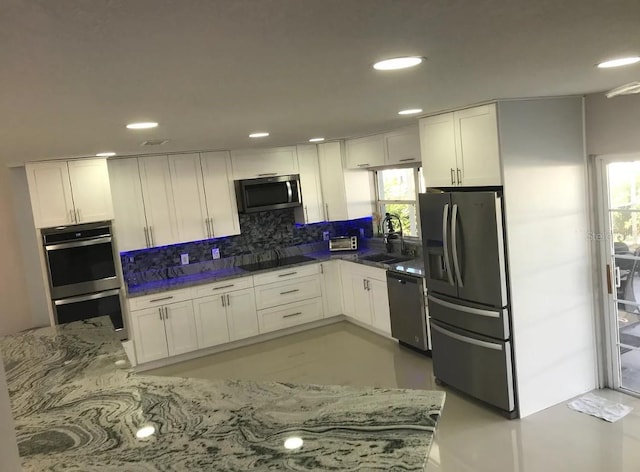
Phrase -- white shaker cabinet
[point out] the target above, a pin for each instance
(69, 192)
(379, 297)
(438, 149)
(157, 194)
(312, 210)
(188, 197)
(211, 320)
(402, 146)
(242, 316)
(365, 152)
(257, 163)
(365, 295)
(221, 204)
(331, 288)
(347, 193)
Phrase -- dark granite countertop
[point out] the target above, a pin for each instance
(75, 409)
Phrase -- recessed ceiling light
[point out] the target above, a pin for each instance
(105, 154)
(144, 125)
(410, 111)
(260, 134)
(316, 140)
(145, 432)
(622, 61)
(398, 63)
(293, 443)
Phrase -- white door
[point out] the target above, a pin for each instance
(361, 299)
(91, 191)
(331, 288)
(619, 189)
(149, 335)
(211, 320)
(438, 149)
(312, 210)
(402, 146)
(50, 192)
(180, 325)
(222, 206)
(188, 197)
(477, 146)
(130, 223)
(256, 163)
(158, 199)
(332, 180)
(381, 318)
(242, 317)
(365, 152)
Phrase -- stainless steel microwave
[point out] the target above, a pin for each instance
(269, 193)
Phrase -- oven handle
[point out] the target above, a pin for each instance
(86, 298)
(85, 242)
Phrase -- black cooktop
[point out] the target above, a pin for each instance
(275, 263)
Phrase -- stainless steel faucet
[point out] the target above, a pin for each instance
(390, 233)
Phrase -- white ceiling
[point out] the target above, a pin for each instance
(73, 73)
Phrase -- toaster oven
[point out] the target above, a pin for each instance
(343, 243)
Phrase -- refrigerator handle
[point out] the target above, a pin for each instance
(445, 245)
(454, 238)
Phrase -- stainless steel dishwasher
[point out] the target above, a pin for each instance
(407, 307)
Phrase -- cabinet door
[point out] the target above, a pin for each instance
(381, 318)
(157, 194)
(478, 152)
(312, 210)
(180, 324)
(242, 317)
(149, 335)
(91, 191)
(188, 197)
(438, 149)
(220, 192)
(365, 152)
(402, 146)
(129, 221)
(211, 320)
(361, 299)
(50, 192)
(331, 289)
(256, 163)
(332, 180)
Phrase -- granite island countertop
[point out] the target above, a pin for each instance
(78, 405)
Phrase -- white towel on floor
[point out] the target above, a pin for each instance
(600, 407)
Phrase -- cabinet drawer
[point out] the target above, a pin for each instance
(288, 292)
(367, 271)
(222, 287)
(159, 299)
(289, 315)
(286, 274)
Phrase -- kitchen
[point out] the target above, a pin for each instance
(548, 357)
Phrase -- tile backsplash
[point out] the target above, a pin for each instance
(262, 231)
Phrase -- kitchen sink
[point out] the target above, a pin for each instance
(385, 258)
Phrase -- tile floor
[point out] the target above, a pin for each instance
(470, 437)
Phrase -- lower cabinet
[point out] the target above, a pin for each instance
(331, 288)
(164, 331)
(241, 314)
(365, 296)
(292, 314)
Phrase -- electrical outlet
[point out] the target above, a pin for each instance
(184, 259)
(325, 235)
(215, 253)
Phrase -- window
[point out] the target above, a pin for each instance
(397, 192)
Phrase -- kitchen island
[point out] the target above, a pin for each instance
(78, 406)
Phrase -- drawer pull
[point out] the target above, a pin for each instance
(287, 274)
(267, 174)
(290, 291)
(160, 299)
(406, 160)
(363, 165)
(224, 286)
(292, 314)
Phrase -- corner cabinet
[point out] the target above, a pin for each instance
(69, 192)
(461, 148)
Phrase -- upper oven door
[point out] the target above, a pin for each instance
(81, 267)
(269, 193)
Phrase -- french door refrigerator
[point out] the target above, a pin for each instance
(466, 275)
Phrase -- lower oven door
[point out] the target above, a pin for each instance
(92, 305)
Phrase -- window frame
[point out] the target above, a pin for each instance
(418, 187)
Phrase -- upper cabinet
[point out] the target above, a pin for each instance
(365, 152)
(402, 146)
(347, 193)
(220, 193)
(157, 194)
(312, 210)
(257, 163)
(461, 148)
(69, 192)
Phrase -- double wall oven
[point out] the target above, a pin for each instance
(83, 278)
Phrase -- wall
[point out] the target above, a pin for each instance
(14, 305)
(544, 167)
(613, 124)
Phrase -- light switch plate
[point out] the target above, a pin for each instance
(184, 259)
(325, 235)
(215, 253)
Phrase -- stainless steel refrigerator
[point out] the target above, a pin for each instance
(467, 283)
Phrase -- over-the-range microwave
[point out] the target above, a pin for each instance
(268, 193)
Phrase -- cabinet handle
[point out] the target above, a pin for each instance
(213, 232)
(78, 219)
(146, 236)
(293, 314)
(459, 176)
(326, 206)
(368, 285)
(166, 312)
(363, 165)
(206, 224)
(222, 299)
(287, 274)
(407, 159)
(364, 284)
(267, 174)
(71, 216)
(306, 214)
(322, 268)
(151, 238)
(228, 300)
(160, 299)
(290, 291)
(453, 177)
(224, 286)
(160, 312)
